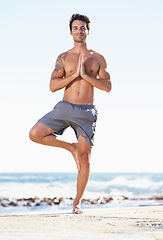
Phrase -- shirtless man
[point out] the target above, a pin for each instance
(78, 70)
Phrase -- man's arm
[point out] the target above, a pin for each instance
(103, 82)
(58, 79)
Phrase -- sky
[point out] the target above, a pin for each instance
(128, 33)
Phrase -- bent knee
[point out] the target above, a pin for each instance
(34, 136)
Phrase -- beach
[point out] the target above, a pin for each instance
(140, 223)
(117, 206)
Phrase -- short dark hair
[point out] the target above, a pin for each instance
(79, 17)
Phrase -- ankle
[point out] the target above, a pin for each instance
(76, 202)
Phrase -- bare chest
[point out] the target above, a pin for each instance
(91, 65)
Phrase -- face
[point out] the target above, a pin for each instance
(79, 31)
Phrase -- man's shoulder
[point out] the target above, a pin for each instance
(95, 53)
(64, 54)
(98, 55)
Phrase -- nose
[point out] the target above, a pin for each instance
(80, 30)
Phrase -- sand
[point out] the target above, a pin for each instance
(138, 223)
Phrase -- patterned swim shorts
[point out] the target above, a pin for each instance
(82, 118)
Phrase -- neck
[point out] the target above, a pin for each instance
(80, 47)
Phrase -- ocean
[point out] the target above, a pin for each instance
(21, 192)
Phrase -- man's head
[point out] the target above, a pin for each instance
(79, 17)
(79, 27)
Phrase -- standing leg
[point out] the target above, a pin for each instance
(44, 135)
(84, 154)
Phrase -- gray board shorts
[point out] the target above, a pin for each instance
(82, 118)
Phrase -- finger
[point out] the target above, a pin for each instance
(81, 58)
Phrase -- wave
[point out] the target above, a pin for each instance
(64, 184)
(122, 183)
(123, 189)
(18, 190)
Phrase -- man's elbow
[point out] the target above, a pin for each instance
(108, 87)
(108, 90)
(52, 88)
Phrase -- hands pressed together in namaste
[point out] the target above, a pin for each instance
(80, 67)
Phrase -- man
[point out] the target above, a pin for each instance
(78, 70)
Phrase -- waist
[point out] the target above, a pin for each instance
(90, 106)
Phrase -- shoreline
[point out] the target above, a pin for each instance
(33, 202)
(98, 223)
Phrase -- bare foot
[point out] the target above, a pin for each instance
(75, 155)
(76, 209)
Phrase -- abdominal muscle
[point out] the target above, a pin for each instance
(79, 92)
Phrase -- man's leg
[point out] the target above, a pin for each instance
(42, 134)
(84, 154)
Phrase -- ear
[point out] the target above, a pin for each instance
(70, 32)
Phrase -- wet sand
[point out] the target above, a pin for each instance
(140, 223)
